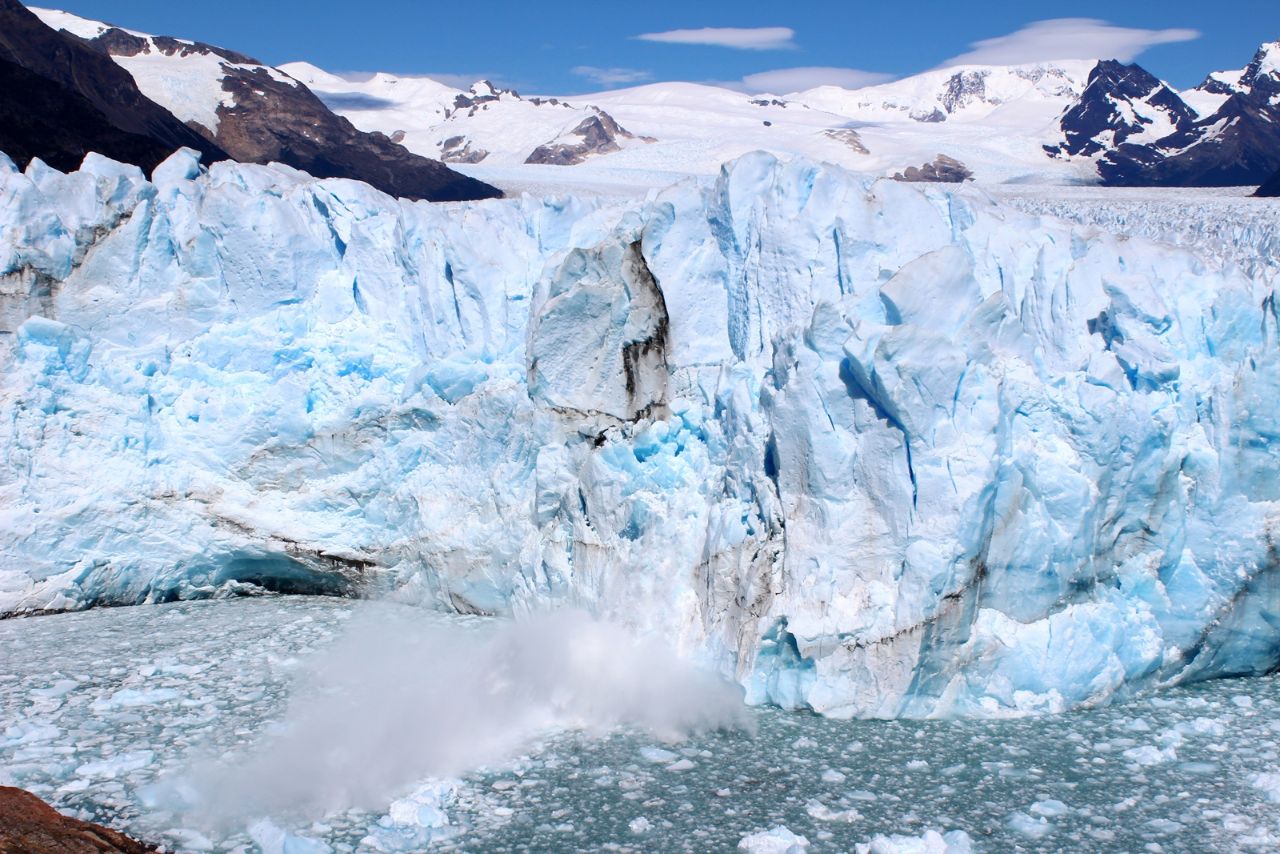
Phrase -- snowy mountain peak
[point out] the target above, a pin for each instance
(1264, 70)
(969, 92)
(481, 94)
(1263, 73)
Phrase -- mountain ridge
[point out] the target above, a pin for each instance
(59, 92)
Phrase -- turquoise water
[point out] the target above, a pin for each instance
(106, 713)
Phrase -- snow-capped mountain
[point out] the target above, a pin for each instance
(1065, 122)
(1260, 78)
(871, 448)
(486, 123)
(258, 114)
(996, 120)
(60, 99)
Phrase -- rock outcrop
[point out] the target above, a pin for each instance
(597, 134)
(30, 826)
(943, 170)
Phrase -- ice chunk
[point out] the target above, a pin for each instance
(272, 839)
(775, 840)
(658, 756)
(929, 842)
(1269, 783)
(1149, 754)
(1032, 827)
(120, 764)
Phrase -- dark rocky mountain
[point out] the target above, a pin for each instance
(1271, 187)
(1237, 145)
(60, 99)
(1144, 134)
(1120, 102)
(262, 116)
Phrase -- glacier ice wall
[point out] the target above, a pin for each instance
(870, 448)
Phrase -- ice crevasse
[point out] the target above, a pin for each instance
(869, 449)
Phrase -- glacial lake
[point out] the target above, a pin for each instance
(119, 715)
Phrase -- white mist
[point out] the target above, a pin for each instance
(395, 700)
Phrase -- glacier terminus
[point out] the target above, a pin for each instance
(867, 448)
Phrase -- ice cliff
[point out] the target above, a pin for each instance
(870, 448)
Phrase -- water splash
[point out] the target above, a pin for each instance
(395, 700)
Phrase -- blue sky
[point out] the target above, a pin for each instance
(567, 48)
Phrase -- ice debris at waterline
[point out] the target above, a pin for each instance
(870, 449)
(106, 713)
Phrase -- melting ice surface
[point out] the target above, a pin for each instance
(109, 713)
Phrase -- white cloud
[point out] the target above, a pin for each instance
(612, 76)
(784, 80)
(1067, 38)
(741, 38)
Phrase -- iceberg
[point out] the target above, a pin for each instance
(870, 449)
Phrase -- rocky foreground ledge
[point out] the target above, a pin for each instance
(30, 826)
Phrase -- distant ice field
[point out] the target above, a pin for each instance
(106, 713)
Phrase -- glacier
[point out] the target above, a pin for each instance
(870, 449)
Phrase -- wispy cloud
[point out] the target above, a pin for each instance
(612, 76)
(740, 38)
(784, 80)
(1068, 38)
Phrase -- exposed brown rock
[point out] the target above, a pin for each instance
(597, 134)
(943, 170)
(30, 826)
(457, 149)
(848, 136)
